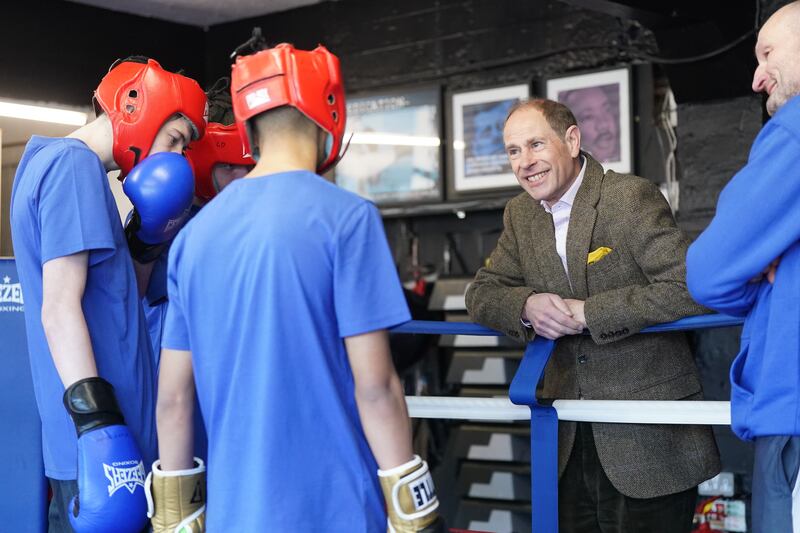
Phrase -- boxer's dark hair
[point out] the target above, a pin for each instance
(220, 108)
(138, 59)
(129, 59)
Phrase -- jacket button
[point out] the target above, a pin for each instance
(603, 336)
(582, 359)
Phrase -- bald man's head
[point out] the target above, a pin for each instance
(777, 52)
(788, 14)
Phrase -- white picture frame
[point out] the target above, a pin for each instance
(601, 103)
(479, 161)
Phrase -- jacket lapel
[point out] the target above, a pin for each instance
(544, 235)
(581, 226)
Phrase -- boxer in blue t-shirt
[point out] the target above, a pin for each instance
(84, 324)
(280, 320)
(217, 159)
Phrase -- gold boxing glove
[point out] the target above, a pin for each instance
(176, 500)
(411, 501)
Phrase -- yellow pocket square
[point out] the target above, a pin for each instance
(597, 255)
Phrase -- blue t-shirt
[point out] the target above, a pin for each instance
(155, 304)
(61, 204)
(155, 300)
(757, 221)
(264, 285)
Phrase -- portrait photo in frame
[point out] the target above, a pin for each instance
(394, 157)
(601, 103)
(478, 158)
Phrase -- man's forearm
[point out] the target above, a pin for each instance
(498, 306)
(729, 253)
(69, 342)
(63, 284)
(387, 427)
(174, 420)
(627, 310)
(175, 410)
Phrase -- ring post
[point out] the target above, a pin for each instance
(544, 436)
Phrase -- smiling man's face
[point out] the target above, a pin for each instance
(545, 164)
(777, 49)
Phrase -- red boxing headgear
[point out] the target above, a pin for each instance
(220, 144)
(309, 81)
(138, 99)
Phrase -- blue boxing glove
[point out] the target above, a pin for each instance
(161, 189)
(111, 473)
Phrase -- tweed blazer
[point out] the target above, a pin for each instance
(641, 282)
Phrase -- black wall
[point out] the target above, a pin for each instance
(461, 43)
(57, 51)
(708, 133)
(457, 44)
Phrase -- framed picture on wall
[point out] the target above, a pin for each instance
(601, 103)
(394, 155)
(478, 158)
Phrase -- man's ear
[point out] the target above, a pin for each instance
(573, 140)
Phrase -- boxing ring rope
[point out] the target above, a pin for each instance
(523, 405)
(616, 411)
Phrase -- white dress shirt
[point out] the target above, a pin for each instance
(560, 212)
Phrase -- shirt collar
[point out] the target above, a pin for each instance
(569, 197)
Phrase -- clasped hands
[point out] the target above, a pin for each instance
(553, 317)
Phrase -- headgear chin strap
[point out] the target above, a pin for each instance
(309, 81)
(220, 144)
(139, 97)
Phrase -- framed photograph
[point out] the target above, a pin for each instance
(395, 151)
(601, 103)
(479, 160)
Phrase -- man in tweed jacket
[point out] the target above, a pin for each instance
(588, 249)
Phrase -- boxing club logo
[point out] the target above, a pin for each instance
(11, 296)
(124, 476)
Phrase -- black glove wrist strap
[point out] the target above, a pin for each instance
(141, 251)
(91, 404)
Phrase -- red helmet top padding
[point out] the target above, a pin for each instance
(138, 99)
(309, 81)
(220, 144)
